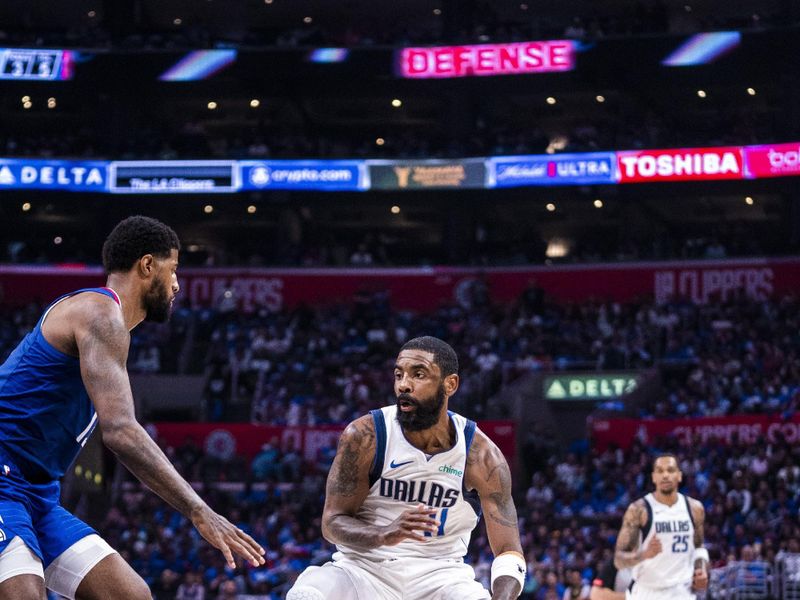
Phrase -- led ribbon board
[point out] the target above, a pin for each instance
(522, 58)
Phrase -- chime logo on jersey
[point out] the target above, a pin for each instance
(426, 492)
(673, 526)
(451, 471)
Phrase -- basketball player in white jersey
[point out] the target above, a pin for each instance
(405, 492)
(662, 540)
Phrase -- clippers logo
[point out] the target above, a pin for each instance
(680, 165)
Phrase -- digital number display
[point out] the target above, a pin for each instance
(26, 64)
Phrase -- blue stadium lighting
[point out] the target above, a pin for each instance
(703, 48)
(200, 64)
(328, 55)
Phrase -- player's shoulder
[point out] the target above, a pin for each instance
(639, 503)
(94, 307)
(361, 430)
(483, 453)
(637, 510)
(695, 506)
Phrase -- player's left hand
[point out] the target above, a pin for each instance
(222, 534)
(700, 580)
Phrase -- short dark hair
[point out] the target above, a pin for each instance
(134, 237)
(665, 455)
(443, 353)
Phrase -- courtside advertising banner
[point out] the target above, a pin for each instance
(680, 164)
(440, 62)
(227, 440)
(426, 174)
(323, 175)
(746, 429)
(65, 175)
(774, 160)
(426, 288)
(556, 169)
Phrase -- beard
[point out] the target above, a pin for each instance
(157, 304)
(425, 415)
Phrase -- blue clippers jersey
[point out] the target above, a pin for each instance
(46, 415)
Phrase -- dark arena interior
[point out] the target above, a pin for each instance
(596, 204)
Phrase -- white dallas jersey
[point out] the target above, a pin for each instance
(403, 476)
(674, 526)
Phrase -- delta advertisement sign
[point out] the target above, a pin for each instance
(73, 175)
(744, 429)
(681, 164)
(441, 62)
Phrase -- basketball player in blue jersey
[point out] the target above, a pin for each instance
(406, 490)
(661, 540)
(66, 376)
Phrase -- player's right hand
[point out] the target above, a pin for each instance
(224, 535)
(653, 548)
(411, 525)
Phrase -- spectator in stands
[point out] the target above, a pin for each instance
(266, 463)
(576, 589)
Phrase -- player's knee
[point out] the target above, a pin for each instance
(304, 592)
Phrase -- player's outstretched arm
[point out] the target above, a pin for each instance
(347, 488)
(488, 474)
(627, 552)
(700, 578)
(103, 340)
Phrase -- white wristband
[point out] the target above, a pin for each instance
(702, 554)
(510, 564)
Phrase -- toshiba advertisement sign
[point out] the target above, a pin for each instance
(441, 62)
(684, 164)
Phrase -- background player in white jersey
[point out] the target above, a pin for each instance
(405, 491)
(662, 539)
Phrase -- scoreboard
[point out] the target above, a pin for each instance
(29, 64)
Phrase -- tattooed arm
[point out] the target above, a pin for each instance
(488, 474)
(628, 553)
(700, 578)
(102, 342)
(347, 488)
